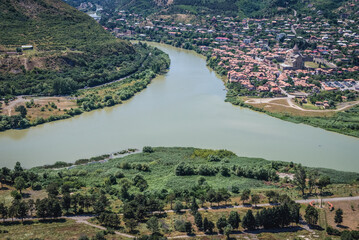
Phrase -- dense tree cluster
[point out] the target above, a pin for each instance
(265, 174)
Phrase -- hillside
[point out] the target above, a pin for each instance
(241, 8)
(70, 50)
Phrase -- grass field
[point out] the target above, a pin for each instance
(50, 230)
(163, 161)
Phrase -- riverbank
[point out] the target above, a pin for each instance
(343, 121)
(27, 111)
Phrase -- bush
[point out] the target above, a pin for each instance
(180, 226)
(147, 149)
(333, 231)
(119, 174)
(36, 186)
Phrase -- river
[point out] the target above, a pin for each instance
(185, 107)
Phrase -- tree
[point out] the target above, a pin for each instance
(221, 224)
(153, 225)
(323, 182)
(178, 207)
(194, 205)
(255, 199)
(234, 219)
(3, 211)
(147, 149)
(20, 184)
(245, 195)
(270, 195)
(170, 198)
(211, 196)
(188, 227)
(130, 223)
(100, 204)
(66, 202)
(208, 226)
(249, 222)
(52, 190)
(312, 181)
(228, 230)
(311, 215)
(110, 220)
(31, 206)
(198, 220)
(21, 209)
(22, 110)
(338, 218)
(300, 177)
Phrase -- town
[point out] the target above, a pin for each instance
(310, 59)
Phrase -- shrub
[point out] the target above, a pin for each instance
(119, 174)
(180, 226)
(333, 231)
(36, 186)
(147, 149)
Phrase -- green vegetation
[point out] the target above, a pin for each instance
(345, 122)
(122, 186)
(71, 50)
(154, 62)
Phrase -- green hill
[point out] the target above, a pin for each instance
(69, 49)
(241, 8)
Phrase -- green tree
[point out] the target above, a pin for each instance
(147, 149)
(170, 198)
(255, 199)
(66, 202)
(194, 205)
(3, 211)
(21, 209)
(22, 110)
(52, 190)
(221, 224)
(178, 207)
(20, 184)
(228, 230)
(130, 224)
(198, 220)
(208, 226)
(323, 182)
(338, 218)
(234, 219)
(300, 177)
(153, 225)
(245, 195)
(311, 215)
(249, 222)
(188, 227)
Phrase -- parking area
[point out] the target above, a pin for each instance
(343, 85)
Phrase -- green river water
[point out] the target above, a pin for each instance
(185, 107)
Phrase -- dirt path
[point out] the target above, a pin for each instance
(12, 104)
(84, 220)
(249, 234)
(293, 105)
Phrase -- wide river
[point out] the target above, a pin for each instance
(185, 107)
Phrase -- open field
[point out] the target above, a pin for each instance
(49, 230)
(350, 215)
(282, 106)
